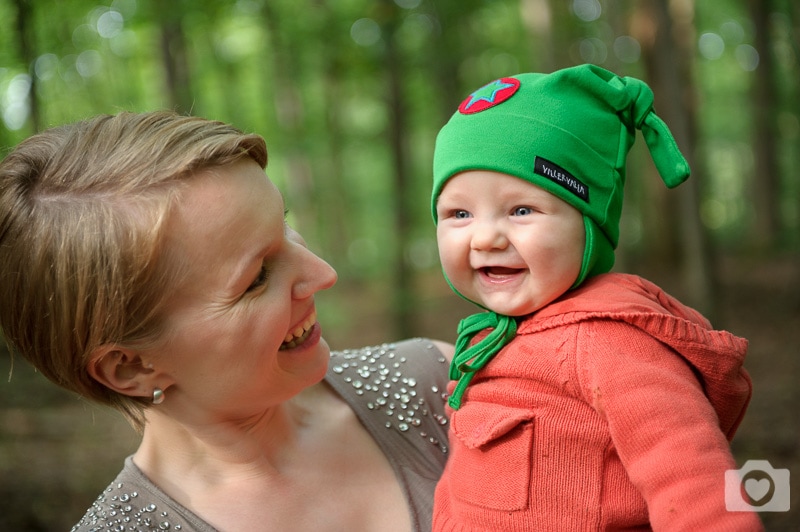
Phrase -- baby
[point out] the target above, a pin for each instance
(584, 400)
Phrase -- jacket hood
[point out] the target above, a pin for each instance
(715, 356)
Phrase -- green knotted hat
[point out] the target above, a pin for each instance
(568, 132)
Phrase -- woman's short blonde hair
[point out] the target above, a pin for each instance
(83, 210)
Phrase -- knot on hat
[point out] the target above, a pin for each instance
(641, 99)
(670, 163)
(667, 157)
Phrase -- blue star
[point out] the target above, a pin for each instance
(488, 92)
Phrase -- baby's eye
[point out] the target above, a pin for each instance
(460, 214)
(522, 211)
(260, 280)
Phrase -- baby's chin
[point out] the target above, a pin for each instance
(515, 311)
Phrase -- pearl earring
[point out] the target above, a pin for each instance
(158, 396)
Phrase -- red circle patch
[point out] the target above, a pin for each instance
(489, 95)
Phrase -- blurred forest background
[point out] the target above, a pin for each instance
(349, 95)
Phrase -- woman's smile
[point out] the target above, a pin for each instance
(300, 333)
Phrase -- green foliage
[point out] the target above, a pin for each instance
(329, 85)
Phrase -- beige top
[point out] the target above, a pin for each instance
(396, 390)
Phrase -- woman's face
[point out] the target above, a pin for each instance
(242, 332)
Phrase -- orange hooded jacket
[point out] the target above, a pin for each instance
(612, 408)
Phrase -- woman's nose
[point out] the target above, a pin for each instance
(315, 275)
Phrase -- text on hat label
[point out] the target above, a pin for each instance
(558, 175)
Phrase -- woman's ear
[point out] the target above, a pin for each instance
(121, 370)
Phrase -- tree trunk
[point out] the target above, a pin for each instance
(669, 66)
(25, 34)
(175, 61)
(537, 18)
(403, 294)
(765, 184)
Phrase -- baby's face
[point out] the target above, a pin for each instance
(507, 244)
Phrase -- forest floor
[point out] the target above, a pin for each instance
(57, 453)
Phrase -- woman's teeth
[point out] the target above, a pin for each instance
(299, 334)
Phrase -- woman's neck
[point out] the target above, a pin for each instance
(273, 466)
(216, 450)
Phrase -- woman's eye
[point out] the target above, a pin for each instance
(294, 236)
(522, 211)
(260, 280)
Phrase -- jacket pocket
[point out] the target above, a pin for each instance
(490, 464)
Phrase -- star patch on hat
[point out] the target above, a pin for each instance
(489, 95)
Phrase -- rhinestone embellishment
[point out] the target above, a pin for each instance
(118, 511)
(377, 374)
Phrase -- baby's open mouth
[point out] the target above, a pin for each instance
(300, 333)
(499, 271)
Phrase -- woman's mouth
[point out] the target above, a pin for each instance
(300, 333)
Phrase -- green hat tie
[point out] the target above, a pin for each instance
(469, 359)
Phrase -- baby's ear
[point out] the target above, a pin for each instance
(121, 370)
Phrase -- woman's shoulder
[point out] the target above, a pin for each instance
(399, 386)
(398, 393)
(133, 502)
(399, 367)
(412, 358)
